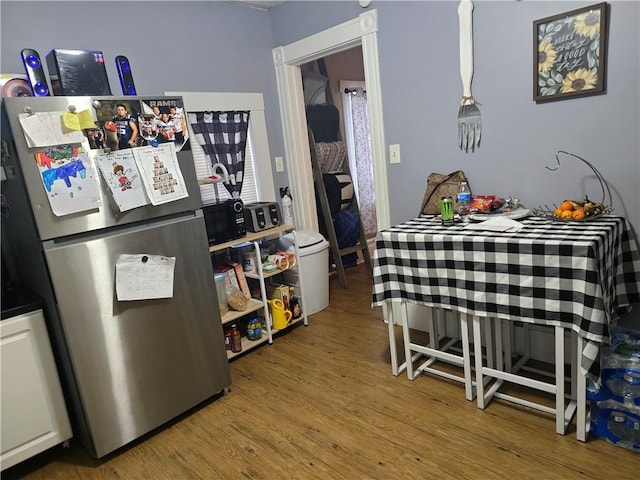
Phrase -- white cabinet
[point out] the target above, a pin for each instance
(262, 277)
(33, 413)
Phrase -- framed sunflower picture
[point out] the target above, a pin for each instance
(569, 54)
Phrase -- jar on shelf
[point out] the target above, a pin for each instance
(254, 328)
(249, 261)
(220, 293)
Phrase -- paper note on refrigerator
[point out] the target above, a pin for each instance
(69, 178)
(120, 172)
(78, 121)
(161, 173)
(144, 277)
(44, 129)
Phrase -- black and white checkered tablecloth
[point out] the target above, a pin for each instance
(579, 275)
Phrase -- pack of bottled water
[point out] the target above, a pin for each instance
(615, 405)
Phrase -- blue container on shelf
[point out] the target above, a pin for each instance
(254, 328)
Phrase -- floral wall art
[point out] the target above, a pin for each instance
(569, 53)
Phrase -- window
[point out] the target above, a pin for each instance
(258, 180)
(249, 192)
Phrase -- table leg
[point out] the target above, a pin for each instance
(388, 314)
(477, 350)
(574, 366)
(466, 356)
(488, 338)
(432, 328)
(526, 329)
(406, 335)
(581, 393)
(499, 348)
(559, 341)
(508, 367)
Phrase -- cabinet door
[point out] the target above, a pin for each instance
(32, 409)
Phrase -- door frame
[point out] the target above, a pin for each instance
(287, 61)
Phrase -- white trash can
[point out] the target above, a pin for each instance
(314, 266)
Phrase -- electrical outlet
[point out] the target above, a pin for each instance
(279, 164)
(394, 153)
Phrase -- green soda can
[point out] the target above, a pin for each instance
(446, 211)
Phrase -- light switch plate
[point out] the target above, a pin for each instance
(279, 164)
(394, 153)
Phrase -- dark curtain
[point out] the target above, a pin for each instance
(223, 137)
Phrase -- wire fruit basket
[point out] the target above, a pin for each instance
(590, 209)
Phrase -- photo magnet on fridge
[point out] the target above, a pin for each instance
(164, 120)
(119, 122)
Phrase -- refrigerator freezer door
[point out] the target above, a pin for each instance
(107, 215)
(139, 363)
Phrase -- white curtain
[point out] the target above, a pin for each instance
(363, 183)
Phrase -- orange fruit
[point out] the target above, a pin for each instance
(578, 214)
(565, 214)
(558, 212)
(566, 205)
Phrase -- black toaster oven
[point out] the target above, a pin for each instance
(224, 220)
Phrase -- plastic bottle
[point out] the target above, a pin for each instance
(464, 198)
(287, 207)
(236, 340)
(227, 338)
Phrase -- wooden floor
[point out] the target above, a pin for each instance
(321, 403)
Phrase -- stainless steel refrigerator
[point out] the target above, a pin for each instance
(127, 366)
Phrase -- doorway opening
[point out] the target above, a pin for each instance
(361, 31)
(339, 80)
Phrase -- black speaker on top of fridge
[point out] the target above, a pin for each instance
(35, 72)
(126, 77)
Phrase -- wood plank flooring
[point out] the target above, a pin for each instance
(321, 403)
